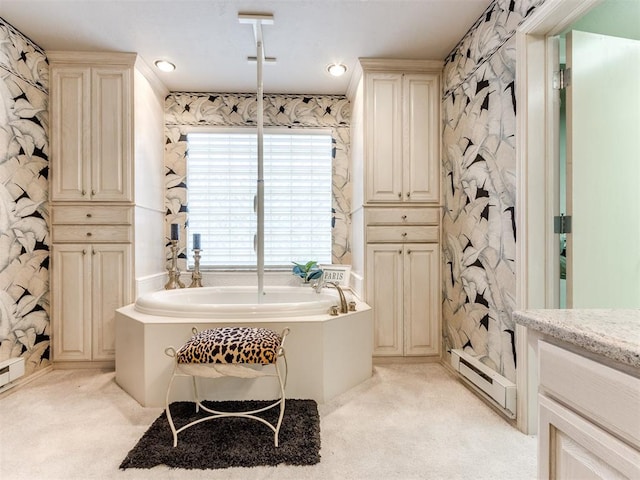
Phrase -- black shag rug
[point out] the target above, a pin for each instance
(231, 441)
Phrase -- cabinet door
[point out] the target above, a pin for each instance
(421, 300)
(71, 302)
(111, 146)
(383, 137)
(384, 295)
(421, 137)
(111, 289)
(70, 133)
(571, 447)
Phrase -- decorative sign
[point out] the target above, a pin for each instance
(337, 274)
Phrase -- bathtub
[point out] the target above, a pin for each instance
(326, 355)
(236, 302)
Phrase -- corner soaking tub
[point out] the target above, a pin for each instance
(326, 355)
(236, 302)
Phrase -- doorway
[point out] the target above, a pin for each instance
(599, 159)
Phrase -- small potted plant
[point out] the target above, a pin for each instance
(307, 271)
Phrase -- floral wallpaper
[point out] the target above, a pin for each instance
(24, 236)
(183, 110)
(479, 178)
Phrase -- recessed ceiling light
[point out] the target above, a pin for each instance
(165, 66)
(336, 69)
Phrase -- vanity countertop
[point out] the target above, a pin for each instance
(612, 333)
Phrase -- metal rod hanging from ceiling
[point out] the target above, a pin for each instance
(257, 21)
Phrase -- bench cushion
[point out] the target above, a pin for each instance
(231, 345)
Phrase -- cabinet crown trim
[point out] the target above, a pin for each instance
(400, 65)
(101, 58)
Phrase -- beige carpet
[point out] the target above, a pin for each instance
(406, 422)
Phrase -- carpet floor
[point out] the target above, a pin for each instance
(406, 422)
(230, 441)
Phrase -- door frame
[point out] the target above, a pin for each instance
(537, 160)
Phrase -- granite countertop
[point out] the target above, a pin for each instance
(612, 333)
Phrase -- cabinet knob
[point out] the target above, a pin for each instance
(84, 252)
(404, 217)
(88, 215)
(409, 252)
(93, 192)
(93, 252)
(404, 234)
(400, 252)
(408, 194)
(84, 192)
(399, 194)
(89, 234)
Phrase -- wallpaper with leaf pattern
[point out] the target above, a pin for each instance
(24, 237)
(479, 164)
(184, 110)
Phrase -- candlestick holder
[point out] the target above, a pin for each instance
(173, 271)
(196, 276)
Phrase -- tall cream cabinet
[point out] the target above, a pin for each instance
(396, 207)
(106, 196)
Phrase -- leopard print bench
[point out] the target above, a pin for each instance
(241, 352)
(231, 345)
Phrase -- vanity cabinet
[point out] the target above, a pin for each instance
(589, 417)
(90, 282)
(401, 128)
(91, 128)
(402, 289)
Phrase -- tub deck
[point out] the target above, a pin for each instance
(326, 356)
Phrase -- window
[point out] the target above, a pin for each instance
(221, 181)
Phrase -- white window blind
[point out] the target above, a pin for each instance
(221, 185)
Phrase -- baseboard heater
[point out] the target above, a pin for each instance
(10, 370)
(493, 385)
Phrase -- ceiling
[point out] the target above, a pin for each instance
(209, 46)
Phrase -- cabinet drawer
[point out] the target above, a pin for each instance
(403, 216)
(92, 233)
(402, 234)
(91, 214)
(603, 394)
